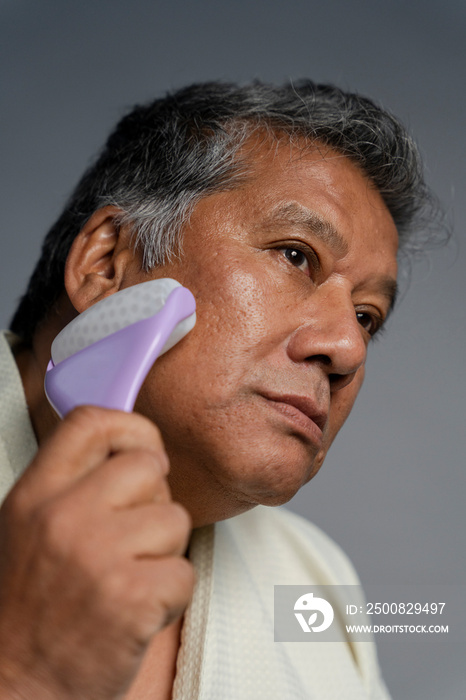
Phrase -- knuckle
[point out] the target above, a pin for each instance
(85, 415)
(148, 464)
(181, 517)
(142, 467)
(84, 422)
(148, 600)
(115, 587)
(177, 597)
(130, 598)
(150, 468)
(52, 524)
(178, 524)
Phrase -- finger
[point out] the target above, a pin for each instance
(87, 437)
(156, 593)
(152, 530)
(125, 480)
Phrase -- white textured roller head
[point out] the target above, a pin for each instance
(116, 312)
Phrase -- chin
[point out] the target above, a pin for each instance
(229, 488)
(275, 483)
(219, 472)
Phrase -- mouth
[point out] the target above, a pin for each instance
(302, 412)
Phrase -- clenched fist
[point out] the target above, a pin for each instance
(91, 559)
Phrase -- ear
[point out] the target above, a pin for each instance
(98, 260)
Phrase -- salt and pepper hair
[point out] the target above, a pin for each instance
(163, 157)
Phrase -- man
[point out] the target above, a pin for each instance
(281, 209)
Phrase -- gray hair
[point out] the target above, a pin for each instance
(162, 158)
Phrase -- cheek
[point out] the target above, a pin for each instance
(204, 379)
(237, 312)
(231, 315)
(342, 403)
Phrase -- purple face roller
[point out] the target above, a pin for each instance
(103, 356)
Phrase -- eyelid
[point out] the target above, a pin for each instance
(378, 333)
(311, 255)
(378, 316)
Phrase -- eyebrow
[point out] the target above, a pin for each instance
(389, 288)
(298, 215)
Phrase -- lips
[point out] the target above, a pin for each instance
(303, 410)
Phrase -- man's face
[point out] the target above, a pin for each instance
(291, 272)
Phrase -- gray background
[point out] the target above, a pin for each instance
(392, 490)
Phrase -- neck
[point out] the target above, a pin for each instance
(32, 371)
(32, 363)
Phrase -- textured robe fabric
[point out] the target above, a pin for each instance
(227, 648)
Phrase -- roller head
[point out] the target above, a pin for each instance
(116, 312)
(104, 355)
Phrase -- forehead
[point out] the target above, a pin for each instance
(309, 189)
(282, 170)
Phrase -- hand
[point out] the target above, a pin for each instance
(91, 559)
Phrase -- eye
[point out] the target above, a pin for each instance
(297, 258)
(371, 322)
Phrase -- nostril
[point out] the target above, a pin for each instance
(323, 359)
(339, 381)
(334, 378)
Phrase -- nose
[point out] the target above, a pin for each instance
(330, 337)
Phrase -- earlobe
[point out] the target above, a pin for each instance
(96, 263)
